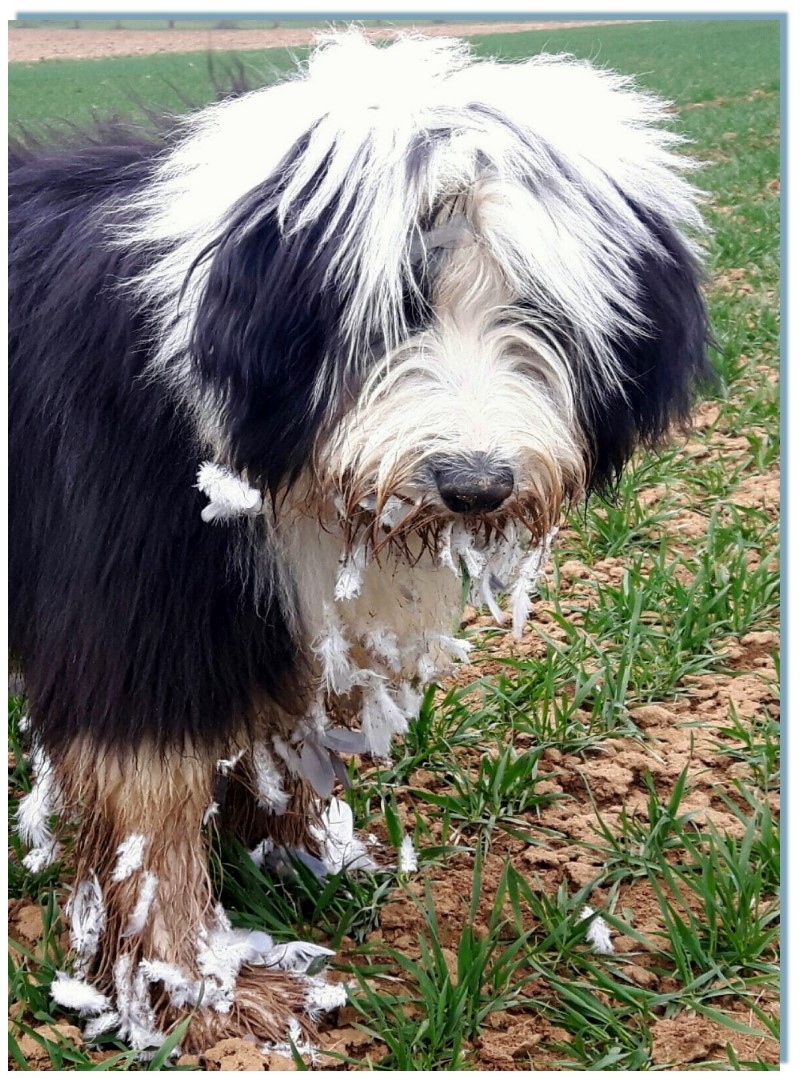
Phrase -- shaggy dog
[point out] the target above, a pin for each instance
(287, 380)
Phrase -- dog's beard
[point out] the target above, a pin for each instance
(397, 513)
(407, 526)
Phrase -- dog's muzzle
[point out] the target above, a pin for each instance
(473, 483)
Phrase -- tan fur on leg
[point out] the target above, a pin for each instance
(144, 924)
(161, 798)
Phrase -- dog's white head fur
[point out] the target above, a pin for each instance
(477, 231)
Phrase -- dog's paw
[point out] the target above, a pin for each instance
(242, 984)
(278, 1011)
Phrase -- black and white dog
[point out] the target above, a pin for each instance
(280, 377)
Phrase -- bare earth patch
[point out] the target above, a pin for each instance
(28, 46)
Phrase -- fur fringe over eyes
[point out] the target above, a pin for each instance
(294, 239)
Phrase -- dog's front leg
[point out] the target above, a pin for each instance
(151, 946)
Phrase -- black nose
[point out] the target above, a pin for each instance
(473, 483)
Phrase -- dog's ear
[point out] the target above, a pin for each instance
(272, 337)
(264, 336)
(663, 361)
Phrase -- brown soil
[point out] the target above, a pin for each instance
(28, 46)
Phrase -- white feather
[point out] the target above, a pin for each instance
(227, 764)
(463, 543)
(228, 494)
(295, 955)
(531, 569)
(381, 718)
(137, 1023)
(325, 997)
(407, 861)
(78, 995)
(101, 1025)
(268, 780)
(340, 848)
(287, 754)
(39, 804)
(409, 700)
(148, 889)
(184, 991)
(445, 549)
(338, 674)
(260, 851)
(488, 597)
(383, 642)
(87, 914)
(351, 575)
(296, 1042)
(130, 857)
(40, 858)
(598, 933)
(221, 953)
(456, 647)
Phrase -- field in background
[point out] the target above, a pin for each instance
(217, 23)
(624, 755)
(33, 45)
(687, 61)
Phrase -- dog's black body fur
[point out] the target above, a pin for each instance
(124, 612)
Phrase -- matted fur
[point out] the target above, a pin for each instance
(140, 825)
(317, 305)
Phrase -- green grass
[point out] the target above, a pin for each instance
(476, 774)
(697, 69)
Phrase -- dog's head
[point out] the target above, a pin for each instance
(422, 288)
